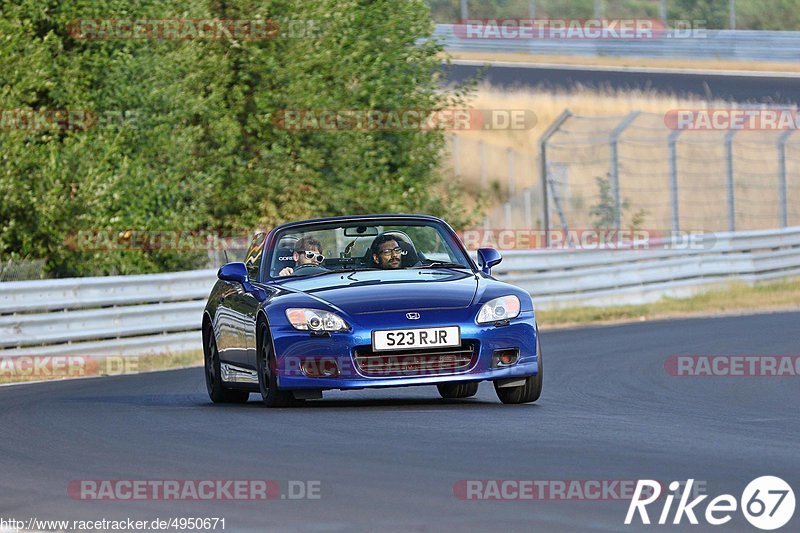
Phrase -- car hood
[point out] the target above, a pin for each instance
(377, 291)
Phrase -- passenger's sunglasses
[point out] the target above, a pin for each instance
(393, 251)
(318, 257)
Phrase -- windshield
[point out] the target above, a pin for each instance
(364, 245)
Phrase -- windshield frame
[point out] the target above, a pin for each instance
(450, 237)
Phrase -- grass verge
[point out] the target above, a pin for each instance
(33, 368)
(736, 298)
(633, 62)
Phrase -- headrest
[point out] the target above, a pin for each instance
(284, 259)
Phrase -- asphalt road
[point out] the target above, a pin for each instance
(736, 88)
(389, 459)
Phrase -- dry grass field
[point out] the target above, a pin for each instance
(580, 153)
(608, 61)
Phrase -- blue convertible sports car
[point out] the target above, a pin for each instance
(367, 301)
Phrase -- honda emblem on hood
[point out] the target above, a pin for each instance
(412, 316)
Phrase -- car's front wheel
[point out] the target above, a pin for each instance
(271, 395)
(530, 391)
(216, 389)
(457, 390)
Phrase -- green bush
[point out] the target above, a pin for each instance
(198, 149)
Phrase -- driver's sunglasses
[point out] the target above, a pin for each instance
(393, 251)
(318, 257)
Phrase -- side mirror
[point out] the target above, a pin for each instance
(488, 258)
(236, 272)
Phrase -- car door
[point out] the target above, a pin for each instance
(244, 307)
(225, 320)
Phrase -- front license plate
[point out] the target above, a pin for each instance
(409, 339)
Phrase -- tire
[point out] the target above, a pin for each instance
(216, 389)
(271, 395)
(452, 391)
(531, 390)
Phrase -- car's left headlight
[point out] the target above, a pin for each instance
(501, 308)
(315, 320)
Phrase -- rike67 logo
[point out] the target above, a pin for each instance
(767, 503)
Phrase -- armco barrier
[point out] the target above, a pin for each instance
(749, 45)
(132, 315)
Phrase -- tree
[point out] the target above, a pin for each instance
(197, 147)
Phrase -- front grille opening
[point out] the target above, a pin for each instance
(429, 361)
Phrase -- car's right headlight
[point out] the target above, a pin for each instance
(315, 320)
(501, 308)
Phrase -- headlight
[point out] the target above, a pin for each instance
(315, 320)
(501, 308)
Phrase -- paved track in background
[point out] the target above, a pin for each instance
(757, 88)
(388, 459)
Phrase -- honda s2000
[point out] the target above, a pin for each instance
(367, 301)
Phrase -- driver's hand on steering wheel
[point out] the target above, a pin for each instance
(286, 271)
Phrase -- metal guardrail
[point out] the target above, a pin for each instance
(134, 315)
(711, 44)
(104, 315)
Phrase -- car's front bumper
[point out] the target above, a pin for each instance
(292, 346)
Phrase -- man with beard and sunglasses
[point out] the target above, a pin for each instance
(386, 253)
(307, 252)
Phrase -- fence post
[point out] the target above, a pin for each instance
(482, 157)
(598, 9)
(526, 194)
(456, 156)
(464, 10)
(729, 171)
(783, 193)
(543, 165)
(511, 184)
(673, 180)
(532, 9)
(614, 172)
(507, 215)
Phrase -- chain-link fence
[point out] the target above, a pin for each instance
(21, 270)
(634, 171)
(507, 176)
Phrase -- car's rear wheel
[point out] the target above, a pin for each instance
(530, 391)
(271, 395)
(216, 389)
(452, 391)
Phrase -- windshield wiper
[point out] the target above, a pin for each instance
(354, 269)
(441, 264)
